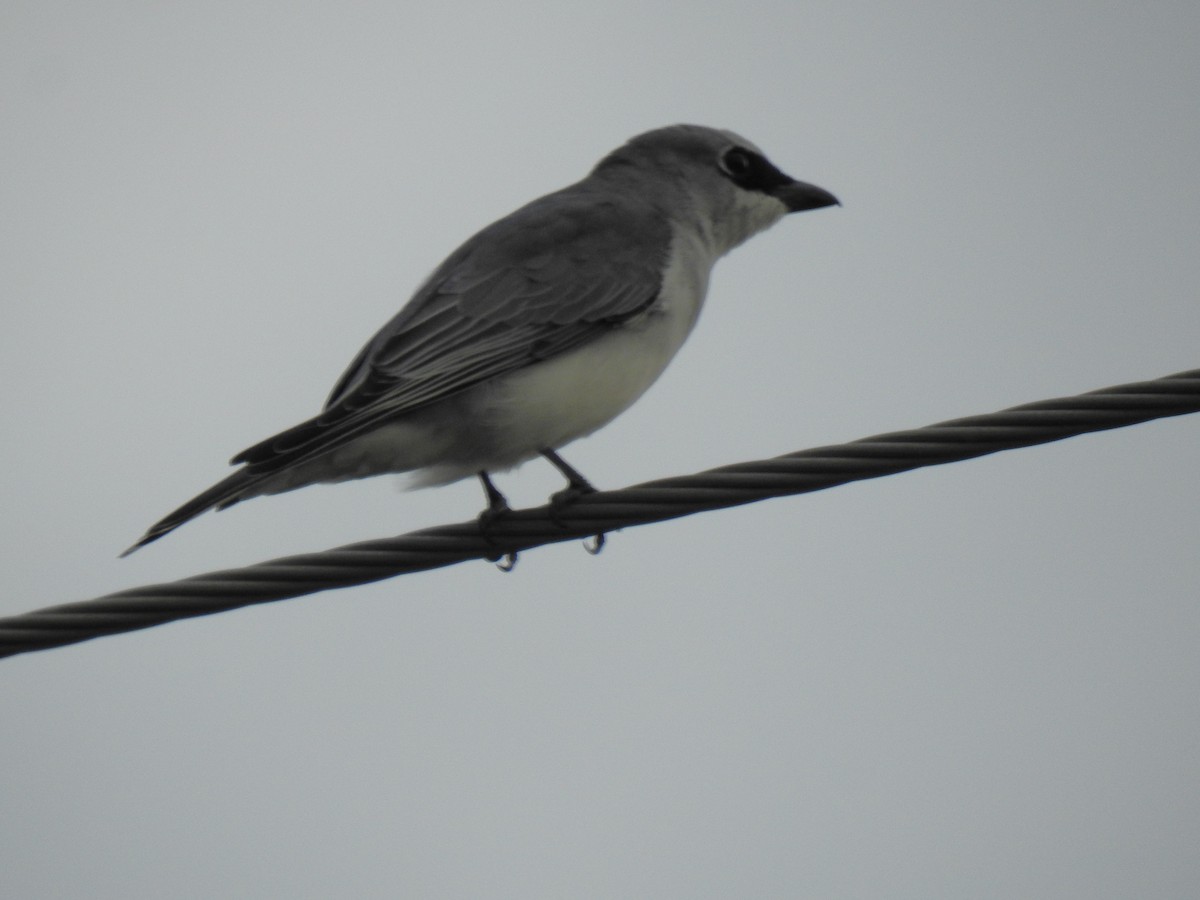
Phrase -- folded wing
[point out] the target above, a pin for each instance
(552, 276)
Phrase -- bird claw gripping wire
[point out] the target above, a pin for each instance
(577, 486)
(563, 499)
(496, 509)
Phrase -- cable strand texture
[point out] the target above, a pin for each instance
(795, 473)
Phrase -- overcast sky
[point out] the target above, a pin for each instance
(979, 680)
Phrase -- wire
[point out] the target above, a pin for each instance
(594, 514)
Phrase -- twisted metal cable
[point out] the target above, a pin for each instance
(592, 514)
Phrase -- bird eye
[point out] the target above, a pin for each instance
(737, 163)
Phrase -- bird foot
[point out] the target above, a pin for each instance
(560, 500)
(505, 562)
(489, 517)
(497, 509)
(563, 499)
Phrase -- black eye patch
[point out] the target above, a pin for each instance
(751, 171)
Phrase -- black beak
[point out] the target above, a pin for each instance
(798, 196)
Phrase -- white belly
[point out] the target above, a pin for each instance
(557, 401)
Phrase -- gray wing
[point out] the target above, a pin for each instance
(549, 277)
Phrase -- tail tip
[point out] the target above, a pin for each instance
(132, 547)
(142, 542)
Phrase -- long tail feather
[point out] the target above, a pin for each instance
(222, 494)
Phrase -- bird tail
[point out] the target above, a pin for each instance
(224, 493)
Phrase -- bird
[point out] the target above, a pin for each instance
(538, 330)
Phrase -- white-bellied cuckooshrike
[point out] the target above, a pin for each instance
(538, 330)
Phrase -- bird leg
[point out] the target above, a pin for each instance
(497, 505)
(577, 486)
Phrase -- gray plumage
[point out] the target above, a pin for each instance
(539, 329)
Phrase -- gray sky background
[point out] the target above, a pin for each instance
(980, 680)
